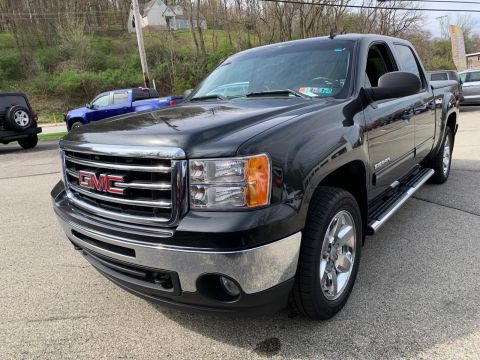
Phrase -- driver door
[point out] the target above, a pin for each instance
(99, 107)
(390, 129)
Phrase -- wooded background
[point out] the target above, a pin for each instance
(63, 52)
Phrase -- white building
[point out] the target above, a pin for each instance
(156, 15)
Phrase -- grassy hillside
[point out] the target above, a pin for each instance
(70, 73)
(81, 65)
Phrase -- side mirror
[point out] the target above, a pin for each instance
(187, 93)
(89, 106)
(394, 85)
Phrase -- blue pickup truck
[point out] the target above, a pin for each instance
(117, 102)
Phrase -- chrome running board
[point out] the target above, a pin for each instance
(390, 206)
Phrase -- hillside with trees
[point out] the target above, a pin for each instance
(63, 52)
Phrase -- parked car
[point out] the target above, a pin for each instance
(445, 75)
(470, 81)
(117, 102)
(238, 202)
(442, 75)
(18, 121)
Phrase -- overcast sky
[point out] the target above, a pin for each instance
(432, 24)
(430, 21)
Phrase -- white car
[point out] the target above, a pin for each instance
(470, 81)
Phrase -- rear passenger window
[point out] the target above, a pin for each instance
(120, 97)
(408, 61)
(473, 76)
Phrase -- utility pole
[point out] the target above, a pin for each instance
(443, 28)
(141, 46)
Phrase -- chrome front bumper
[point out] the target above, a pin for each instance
(255, 269)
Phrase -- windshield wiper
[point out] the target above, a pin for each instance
(208, 97)
(286, 92)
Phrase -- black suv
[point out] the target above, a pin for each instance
(18, 122)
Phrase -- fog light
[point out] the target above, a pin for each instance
(229, 286)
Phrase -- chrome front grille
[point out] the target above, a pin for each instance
(152, 182)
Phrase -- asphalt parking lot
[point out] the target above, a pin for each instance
(417, 294)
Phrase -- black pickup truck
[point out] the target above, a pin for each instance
(261, 187)
(18, 122)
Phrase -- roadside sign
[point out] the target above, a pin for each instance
(458, 47)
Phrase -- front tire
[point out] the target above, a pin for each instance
(76, 125)
(329, 254)
(28, 143)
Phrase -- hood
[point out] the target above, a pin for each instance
(206, 129)
(77, 112)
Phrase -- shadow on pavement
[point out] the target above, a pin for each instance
(13, 147)
(417, 292)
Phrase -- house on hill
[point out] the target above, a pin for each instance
(473, 60)
(157, 16)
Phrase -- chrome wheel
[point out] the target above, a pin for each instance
(338, 255)
(76, 125)
(446, 155)
(21, 118)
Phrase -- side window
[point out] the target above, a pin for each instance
(7, 101)
(408, 61)
(473, 76)
(101, 101)
(379, 62)
(439, 76)
(120, 97)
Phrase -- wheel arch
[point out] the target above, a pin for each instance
(351, 177)
(74, 120)
(452, 123)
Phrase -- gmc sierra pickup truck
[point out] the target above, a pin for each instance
(262, 197)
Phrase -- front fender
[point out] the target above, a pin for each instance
(348, 148)
(306, 149)
(450, 107)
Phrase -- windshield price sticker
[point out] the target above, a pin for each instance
(314, 91)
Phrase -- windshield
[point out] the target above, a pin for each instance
(313, 68)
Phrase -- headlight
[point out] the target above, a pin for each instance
(230, 183)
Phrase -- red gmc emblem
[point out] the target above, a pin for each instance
(104, 182)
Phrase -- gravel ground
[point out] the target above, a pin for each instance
(417, 294)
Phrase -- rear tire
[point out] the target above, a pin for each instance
(28, 143)
(329, 254)
(442, 162)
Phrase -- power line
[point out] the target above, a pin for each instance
(439, 1)
(367, 6)
(65, 13)
(55, 16)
